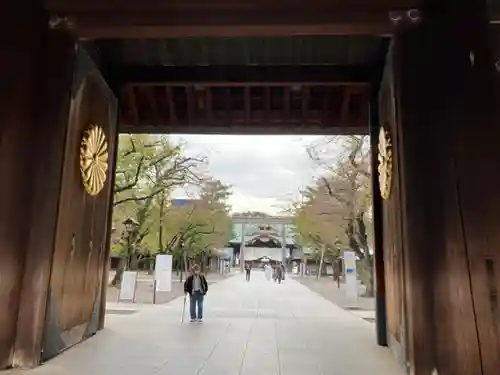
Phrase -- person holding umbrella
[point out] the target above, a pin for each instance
(197, 287)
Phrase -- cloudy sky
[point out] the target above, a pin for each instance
(266, 172)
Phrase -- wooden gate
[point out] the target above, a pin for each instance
(468, 273)
(79, 259)
(392, 224)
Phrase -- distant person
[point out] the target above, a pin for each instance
(248, 270)
(268, 271)
(197, 287)
(283, 271)
(279, 274)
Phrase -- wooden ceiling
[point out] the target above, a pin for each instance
(243, 98)
(310, 85)
(245, 108)
(225, 66)
(219, 66)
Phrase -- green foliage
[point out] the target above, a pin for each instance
(149, 168)
(202, 225)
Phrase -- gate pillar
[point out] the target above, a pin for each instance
(22, 33)
(42, 70)
(448, 129)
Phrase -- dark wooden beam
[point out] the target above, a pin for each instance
(233, 74)
(157, 19)
(288, 127)
(271, 21)
(155, 5)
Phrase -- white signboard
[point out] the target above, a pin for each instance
(128, 286)
(351, 280)
(163, 273)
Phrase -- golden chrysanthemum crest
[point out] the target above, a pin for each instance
(94, 159)
(385, 162)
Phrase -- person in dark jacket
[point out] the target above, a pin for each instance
(283, 271)
(278, 273)
(197, 287)
(248, 270)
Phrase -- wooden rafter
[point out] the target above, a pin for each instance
(209, 104)
(171, 105)
(153, 107)
(248, 106)
(190, 104)
(227, 103)
(344, 109)
(286, 102)
(219, 109)
(131, 100)
(305, 101)
(267, 103)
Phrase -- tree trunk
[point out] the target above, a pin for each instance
(134, 262)
(186, 267)
(366, 276)
(181, 268)
(117, 279)
(152, 262)
(318, 274)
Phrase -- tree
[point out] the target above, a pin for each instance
(149, 168)
(149, 165)
(200, 226)
(319, 224)
(338, 206)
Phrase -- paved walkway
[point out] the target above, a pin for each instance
(256, 328)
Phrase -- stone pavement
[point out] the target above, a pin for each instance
(256, 328)
(362, 306)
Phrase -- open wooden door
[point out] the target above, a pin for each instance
(393, 243)
(83, 221)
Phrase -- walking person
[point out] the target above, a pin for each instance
(268, 271)
(248, 270)
(283, 271)
(197, 287)
(279, 273)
